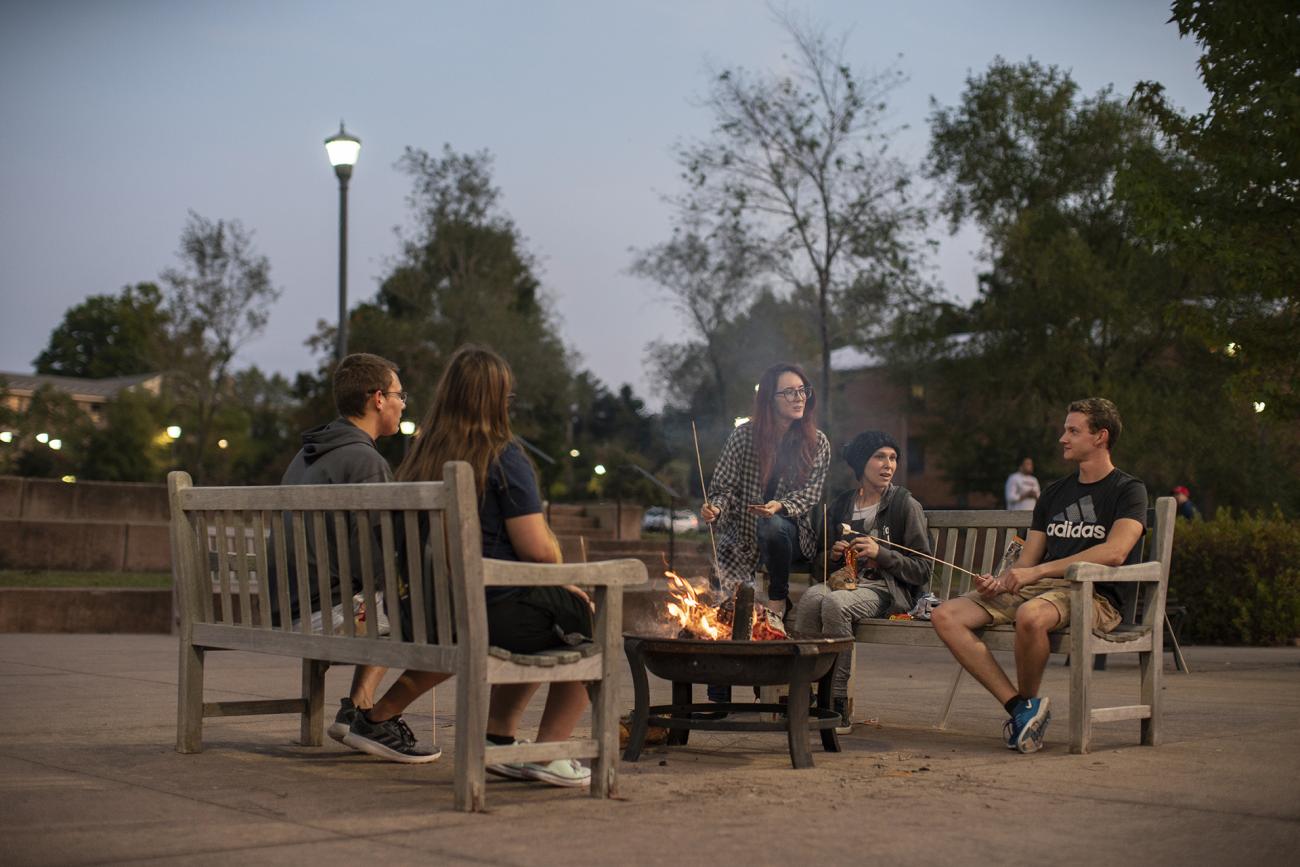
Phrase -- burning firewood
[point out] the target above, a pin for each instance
(695, 615)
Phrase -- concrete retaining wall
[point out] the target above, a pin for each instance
(624, 520)
(84, 546)
(45, 499)
(85, 609)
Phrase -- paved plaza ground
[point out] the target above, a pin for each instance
(89, 776)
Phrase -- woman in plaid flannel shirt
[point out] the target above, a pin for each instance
(766, 483)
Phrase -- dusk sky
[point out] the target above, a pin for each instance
(122, 116)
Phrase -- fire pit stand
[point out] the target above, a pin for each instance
(686, 662)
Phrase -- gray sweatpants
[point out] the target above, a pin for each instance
(834, 613)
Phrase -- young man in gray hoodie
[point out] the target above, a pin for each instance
(369, 397)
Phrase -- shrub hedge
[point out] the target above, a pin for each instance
(1239, 576)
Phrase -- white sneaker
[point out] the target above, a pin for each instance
(569, 773)
(509, 770)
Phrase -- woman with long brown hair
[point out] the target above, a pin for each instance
(766, 483)
(469, 421)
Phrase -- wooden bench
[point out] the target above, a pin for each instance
(974, 540)
(231, 528)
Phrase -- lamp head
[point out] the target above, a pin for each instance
(343, 150)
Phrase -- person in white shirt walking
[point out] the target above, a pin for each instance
(1022, 487)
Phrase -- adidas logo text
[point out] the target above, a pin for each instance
(1071, 530)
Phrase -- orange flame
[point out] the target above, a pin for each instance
(702, 620)
(692, 614)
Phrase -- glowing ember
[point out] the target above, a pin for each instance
(697, 618)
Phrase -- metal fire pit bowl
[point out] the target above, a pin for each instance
(799, 662)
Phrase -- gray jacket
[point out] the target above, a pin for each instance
(338, 453)
(900, 519)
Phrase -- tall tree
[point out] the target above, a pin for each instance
(127, 448)
(1075, 301)
(108, 335)
(219, 298)
(1229, 202)
(465, 275)
(802, 157)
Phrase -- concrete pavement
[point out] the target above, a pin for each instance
(89, 776)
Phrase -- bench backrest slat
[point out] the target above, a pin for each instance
(390, 574)
(320, 546)
(260, 522)
(343, 558)
(219, 540)
(365, 539)
(298, 522)
(240, 543)
(436, 553)
(282, 570)
(422, 496)
(415, 577)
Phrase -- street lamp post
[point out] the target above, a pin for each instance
(343, 150)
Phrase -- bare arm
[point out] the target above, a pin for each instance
(532, 539)
(1029, 568)
(534, 543)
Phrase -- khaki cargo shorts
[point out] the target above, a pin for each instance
(1002, 608)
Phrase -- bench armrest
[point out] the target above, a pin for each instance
(1093, 572)
(607, 573)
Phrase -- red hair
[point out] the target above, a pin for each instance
(796, 452)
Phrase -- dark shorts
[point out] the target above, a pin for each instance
(536, 619)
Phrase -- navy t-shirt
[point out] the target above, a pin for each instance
(509, 492)
(1077, 516)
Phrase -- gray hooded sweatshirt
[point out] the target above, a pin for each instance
(338, 453)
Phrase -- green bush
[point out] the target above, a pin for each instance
(1239, 576)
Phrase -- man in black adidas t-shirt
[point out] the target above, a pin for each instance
(1096, 515)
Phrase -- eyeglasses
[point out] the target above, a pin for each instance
(793, 394)
(400, 394)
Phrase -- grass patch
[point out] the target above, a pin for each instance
(37, 578)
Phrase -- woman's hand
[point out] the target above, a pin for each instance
(581, 594)
(765, 510)
(838, 549)
(866, 546)
(709, 513)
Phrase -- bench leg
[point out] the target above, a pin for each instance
(313, 696)
(604, 730)
(189, 703)
(470, 783)
(952, 698)
(1080, 689)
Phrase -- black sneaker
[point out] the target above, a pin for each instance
(391, 739)
(840, 704)
(342, 720)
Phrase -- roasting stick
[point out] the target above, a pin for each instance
(700, 464)
(826, 548)
(928, 556)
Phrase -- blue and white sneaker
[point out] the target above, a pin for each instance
(1024, 731)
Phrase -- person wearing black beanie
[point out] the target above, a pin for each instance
(888, 580)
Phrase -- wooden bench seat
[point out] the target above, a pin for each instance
(222, 538)
(975, 539)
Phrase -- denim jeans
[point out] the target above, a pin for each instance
(778, 547)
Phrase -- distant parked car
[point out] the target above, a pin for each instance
(656, 520)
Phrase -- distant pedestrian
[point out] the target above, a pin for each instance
(1186, 508)
(1022, 487)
